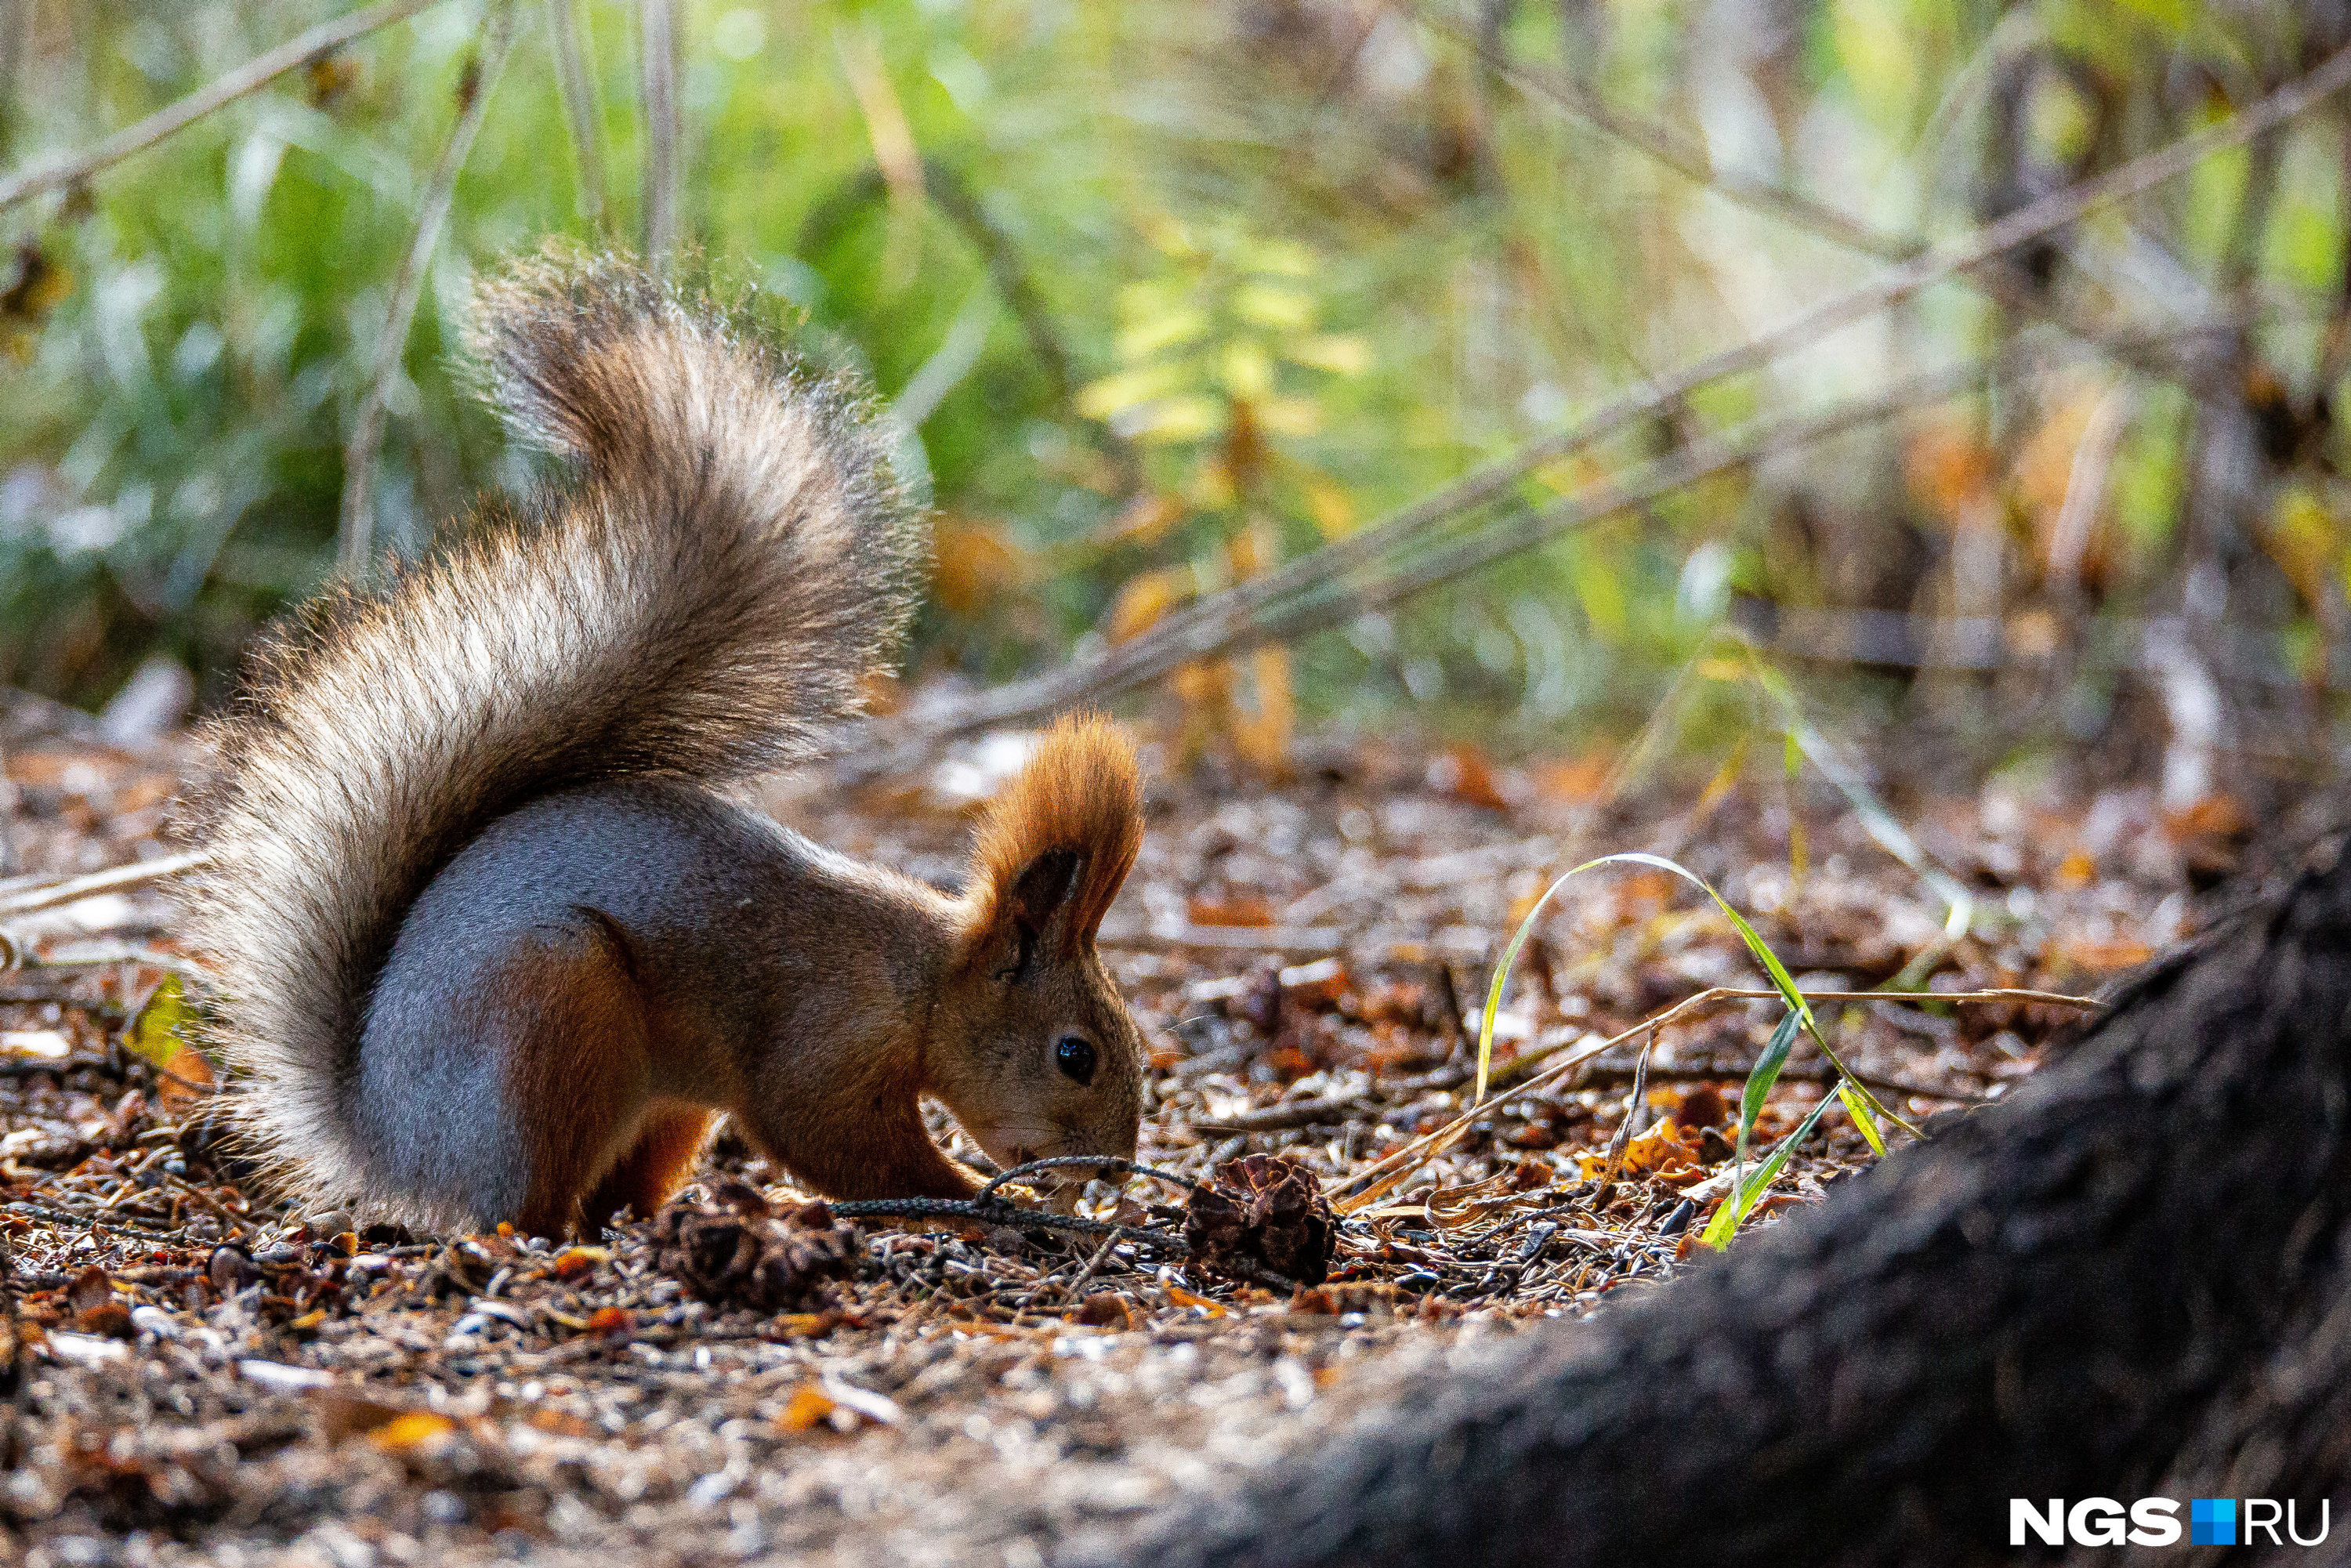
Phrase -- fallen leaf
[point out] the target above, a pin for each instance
(574, 1261)
(1106, 1310)
(1577, 781)
(809, 1406)
(90, 1290)
(111, 1320)
(342, 1416)
(188, 1078)
(156, 1033)
(613, 1321)
(1183, 1298)
(1662, 1150)
(1366, 1296)
(2106, 957)
(411, 1431)
(1233, 911)
(1698, 1106)
(1463, 775)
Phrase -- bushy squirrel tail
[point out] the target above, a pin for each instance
(726, 563)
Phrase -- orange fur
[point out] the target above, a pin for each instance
(573, 1038)
(1080, 791)
(655, 1167)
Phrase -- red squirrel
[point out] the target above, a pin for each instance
(492, 940)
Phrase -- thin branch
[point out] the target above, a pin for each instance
(247, 79)
(2053, 212)
(1069, 1292)
(659, 80)
(1240, 615)
(1822, 1073)
(114, 879)
(566, 40)
(1663, 144)
(1327, 598)
(1337, 1108)
(357, 541)
(1391, 1172)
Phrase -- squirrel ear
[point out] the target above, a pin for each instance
(1058, 843)
(1039, 898)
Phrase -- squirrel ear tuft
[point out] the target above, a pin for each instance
(1056, 845)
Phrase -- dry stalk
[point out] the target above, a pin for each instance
(356, 539)
(1390, 1173)
(1664, 145)
(658, 85)
(566, 42)
(1246, 615)
(247, 79)
(73, 889)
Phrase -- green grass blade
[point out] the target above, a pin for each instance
(1742, 1197)
(1526, 929)
(1859, 1109)
(1781, 981)
(1760, 1079)
(1502, 978)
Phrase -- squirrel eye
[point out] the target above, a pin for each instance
(1075, 1058)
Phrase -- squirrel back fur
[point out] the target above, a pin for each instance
(726, 563)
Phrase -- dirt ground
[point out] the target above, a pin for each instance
(204, 1376)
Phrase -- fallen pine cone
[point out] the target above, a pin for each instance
(1261, 1213)
(740, 1251)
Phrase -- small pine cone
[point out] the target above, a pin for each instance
(1262, 1212)
(738, 1251)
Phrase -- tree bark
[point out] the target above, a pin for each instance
(2126, 1281)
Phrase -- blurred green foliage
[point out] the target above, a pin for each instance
(1167, 290)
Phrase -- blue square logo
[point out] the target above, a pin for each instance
(2212, 1522)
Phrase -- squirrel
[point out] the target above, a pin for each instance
(491, 940)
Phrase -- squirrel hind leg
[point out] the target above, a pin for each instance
(499, 1083)
(655, 1167)
(579, 1049)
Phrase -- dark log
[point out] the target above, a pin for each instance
(2126, 1281)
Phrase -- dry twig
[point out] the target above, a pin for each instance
(247, 79)
(1664, 145)
(658, 80)
(1388, 1174)
(569, 48)
(1250, 612)
(114, 879)
(356, 540)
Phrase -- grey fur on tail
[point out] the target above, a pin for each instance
(727, 561)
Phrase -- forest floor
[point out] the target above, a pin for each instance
(204, 1376)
